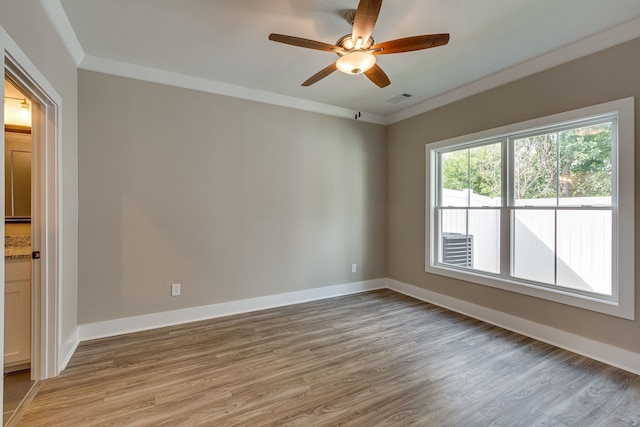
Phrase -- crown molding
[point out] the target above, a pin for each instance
(596, 43)
(61, 23)
(139, 72)
(584, 47)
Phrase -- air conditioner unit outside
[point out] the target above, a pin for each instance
(457, 249)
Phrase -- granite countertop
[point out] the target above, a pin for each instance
(17, 247)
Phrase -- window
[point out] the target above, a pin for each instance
(543, 208)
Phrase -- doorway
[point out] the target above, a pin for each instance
(44, 217)
(17, 380)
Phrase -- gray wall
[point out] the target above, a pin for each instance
(231, 198)
(28, 26)
(601, 77)
(236, 199)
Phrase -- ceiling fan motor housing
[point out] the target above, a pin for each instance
(347, 43)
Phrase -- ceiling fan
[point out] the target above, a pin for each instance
(357, 51)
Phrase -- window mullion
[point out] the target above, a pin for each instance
(555, 214)
(466, 225)
(505, 211)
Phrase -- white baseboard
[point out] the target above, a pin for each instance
(611, 355)
(67, 348)
(606, 353)
(157, 320)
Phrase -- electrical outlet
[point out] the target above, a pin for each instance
(354, 268)
(175, 289)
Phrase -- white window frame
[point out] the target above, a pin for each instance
(622, 303)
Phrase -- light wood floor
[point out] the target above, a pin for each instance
(372, 359)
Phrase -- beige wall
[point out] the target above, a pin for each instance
(231, 198)
(605, 76)
(28, 26)
(236, 199)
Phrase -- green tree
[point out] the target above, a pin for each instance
(585, 162)
(535, 167)
(572, 163)
(477, 168)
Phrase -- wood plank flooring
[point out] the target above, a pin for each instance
(372, 359)
(17, 386)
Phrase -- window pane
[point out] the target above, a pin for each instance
(485, 175)
(534, 245)
(535, 165)
(453, 221)
(455, 178)
(484, 227)
(584, 250)
(455, 198)
(585, 166)
(471, 238)
(472, 176)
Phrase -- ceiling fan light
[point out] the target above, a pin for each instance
(356, 62)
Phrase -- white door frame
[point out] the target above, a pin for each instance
(45, 208)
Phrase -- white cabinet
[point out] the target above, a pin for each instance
(17, 314)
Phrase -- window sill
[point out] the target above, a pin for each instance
(623, 308)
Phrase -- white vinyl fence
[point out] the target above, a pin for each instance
(572, 250)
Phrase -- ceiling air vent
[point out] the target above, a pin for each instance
(399, 98)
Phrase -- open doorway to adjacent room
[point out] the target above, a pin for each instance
(31, 284)
(17, 381)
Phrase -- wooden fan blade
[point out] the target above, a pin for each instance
(298, 41)
(365, 19)
(377, 76)
(409, 44)
(320, 75)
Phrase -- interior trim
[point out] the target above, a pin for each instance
(593, 44)
(602, 352)
(155, 75)
(46, 213)
(145, 322)
(596, 43)
(622, 299)
(61, 23)
(67, 348)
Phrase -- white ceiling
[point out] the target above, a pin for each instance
(225, 42)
